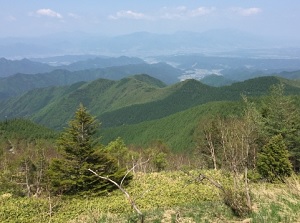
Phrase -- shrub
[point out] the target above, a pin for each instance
(273, 161)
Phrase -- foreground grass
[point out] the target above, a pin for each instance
(162, 197)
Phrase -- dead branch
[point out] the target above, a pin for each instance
(131, 201)
(201, 177)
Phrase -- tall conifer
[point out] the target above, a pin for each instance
(69, 174)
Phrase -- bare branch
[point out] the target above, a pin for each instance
(213, 182)
(131, 201)
(132, 170)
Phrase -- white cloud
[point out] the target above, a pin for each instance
(246, 11)
(201, 11)
(128, 15)
(182, 12)
(49, 13)
(11, 18)
(73, 15)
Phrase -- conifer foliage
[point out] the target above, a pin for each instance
(273, 161)
(69, 174)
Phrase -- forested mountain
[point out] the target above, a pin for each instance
(130, 100)
(19, 83)
(100, 95)
(216, 80)
(191, 93)
(23, 129)
(10, 67)
(177, 130)
(294, 75)
(26, 66)
(102, 62)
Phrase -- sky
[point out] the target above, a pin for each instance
(22, 18)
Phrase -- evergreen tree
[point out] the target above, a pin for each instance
(273, 161)
(69, 174)
(280, 115)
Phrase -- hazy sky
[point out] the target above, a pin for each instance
(39, 17)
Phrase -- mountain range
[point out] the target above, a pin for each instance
(19, 76)
(130, 100)
(82, 62)
(139, 44)
(19, 83)
(141, 100)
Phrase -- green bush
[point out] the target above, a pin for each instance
(273, 161)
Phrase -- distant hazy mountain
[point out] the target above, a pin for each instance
(134, 44)
(84, 62)
(234, 68)
(100, 62)
(65, 59)
(200, 61)
(10, 67)
(19, 83)
(294, 75)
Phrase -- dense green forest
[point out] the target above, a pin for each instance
(130, 100)
(172, 151)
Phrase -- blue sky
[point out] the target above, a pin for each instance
(41, 17)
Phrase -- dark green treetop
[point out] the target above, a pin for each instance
(280, 115)
(273, 161)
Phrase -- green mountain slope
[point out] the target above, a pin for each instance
(24, 129)
(216, 80)
(176, 130)
(180, 96)
(55, 105)
(191, 93)
(100, 96)
(17, 84)
(131, 100)
(260, 85)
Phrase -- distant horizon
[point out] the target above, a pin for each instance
(31, 18)
(219, 42)
(294, 39)
(99, 34)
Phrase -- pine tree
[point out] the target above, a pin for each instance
(273, 161)
(69, 174)
(280, 115)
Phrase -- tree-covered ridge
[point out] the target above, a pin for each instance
(20, 83)
(38, 65)
(131, 100)
(10, 67)
(47, 102)
(216, 80)
(176, 130)
(24, 129)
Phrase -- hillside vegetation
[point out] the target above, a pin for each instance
(17, 84)
(163, 197)
(209, 154)
(131, 100)
(177, 130)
